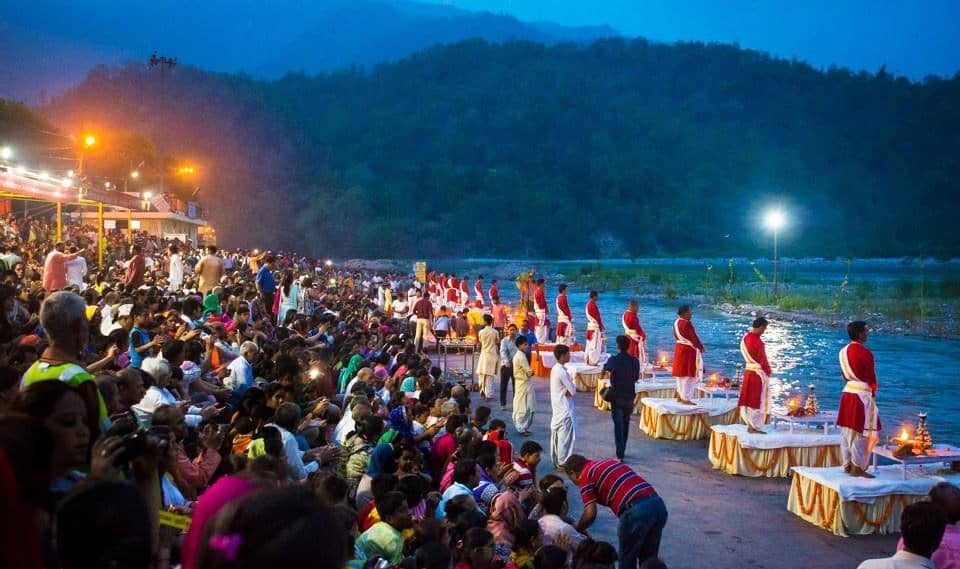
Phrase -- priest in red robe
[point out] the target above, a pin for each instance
(478, 292)
(540, 308)
(564, 317)
(634, 332)
(595, 333)
(453, 290)
(754, 399)
(494, 290)
(464, 291)
(858, 418)
(687, 356)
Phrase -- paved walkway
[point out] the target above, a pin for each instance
(715, 521)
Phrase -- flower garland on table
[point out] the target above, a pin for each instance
(817, 502)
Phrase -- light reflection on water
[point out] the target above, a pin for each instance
(915, 374)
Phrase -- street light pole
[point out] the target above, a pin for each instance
(775, 262)
(163, 63)
(774, 220)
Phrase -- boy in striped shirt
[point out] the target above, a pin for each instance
(632, 499)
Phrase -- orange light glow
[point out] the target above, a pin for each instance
(904, 436)
(793, 403)
(89, 140)
(663, 360)
(186, 170)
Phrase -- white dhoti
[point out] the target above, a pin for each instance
(562, 437)
(524, 405)
(541, 329)
(687, 388)
(594, 347)
(485, 385)
(856, 448)
(754, 418)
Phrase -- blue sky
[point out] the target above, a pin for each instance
(912, 37)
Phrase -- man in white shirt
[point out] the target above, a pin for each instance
(76, 270)
(241, 369)
(159, 394)
(921, 527)
(563, 422)
(285, 420)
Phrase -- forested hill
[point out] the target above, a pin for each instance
(618, 148)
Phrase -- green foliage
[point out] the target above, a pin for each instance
(790, 302)
(620, 146)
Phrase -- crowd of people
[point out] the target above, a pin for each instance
(206, 409)
(189, 407)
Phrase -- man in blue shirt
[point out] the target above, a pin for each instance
(531, 337)
(266, 285)
(623, 370)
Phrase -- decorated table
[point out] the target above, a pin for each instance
(848, 505)
(574, 347)
(653, 387)
(667, 418)
(542, 361)
(735, 451)
(585, 377)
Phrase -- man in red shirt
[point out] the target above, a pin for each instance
(687, 356)
(858, 418)
(423, 310)
(632, 499)
(135, 268)
(754, 399)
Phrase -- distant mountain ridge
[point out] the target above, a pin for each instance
(620, 147)
(51, 46)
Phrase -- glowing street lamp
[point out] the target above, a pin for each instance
(135, 174)
(774, 220)
(329, 263)
(89, 140)
(6, 153)
(186, 170)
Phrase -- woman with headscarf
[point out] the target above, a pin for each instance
(349, 372)
(506, 513)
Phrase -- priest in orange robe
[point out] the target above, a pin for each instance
(540, 308)
(595, 332)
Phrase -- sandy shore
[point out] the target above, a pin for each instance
(716, 521)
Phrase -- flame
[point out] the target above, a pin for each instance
(904, 436)
(793, 403)
(663, 360)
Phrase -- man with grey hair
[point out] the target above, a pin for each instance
(241, 369)
(64, 320)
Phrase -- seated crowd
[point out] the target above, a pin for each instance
(147, 425)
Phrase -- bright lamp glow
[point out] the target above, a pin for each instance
(135, 174)
(70, 173)
(66, 182)
(106, 185)
(6, 153)
(775, 219)
(44, 176)
(329, 263)
(89, 140)
(147, 195)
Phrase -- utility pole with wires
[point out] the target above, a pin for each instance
(164, 63)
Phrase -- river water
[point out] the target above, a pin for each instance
(915, 374)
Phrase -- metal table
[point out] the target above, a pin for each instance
(468, 348)
(827, 418)
(939, 454)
